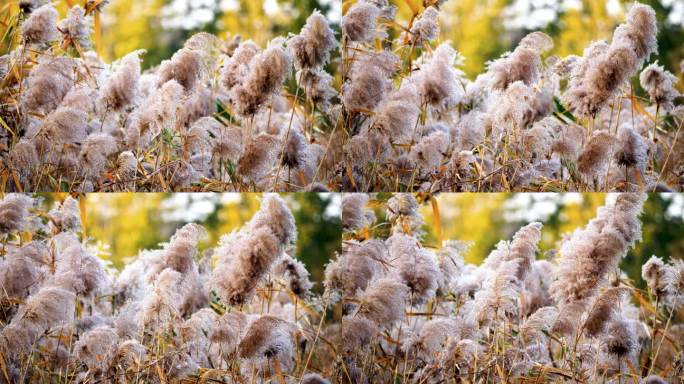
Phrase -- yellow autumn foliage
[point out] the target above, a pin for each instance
(479, 219)
(129, 25)
(578, 28)
(469, 217)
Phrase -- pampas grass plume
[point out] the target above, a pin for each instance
(311, 48)
(359, 23)
(13, 212)
(76, 27)
(41, 26)
(355, 214)
(121, 89)
(660, 85)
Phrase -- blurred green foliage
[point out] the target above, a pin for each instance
(319, 234)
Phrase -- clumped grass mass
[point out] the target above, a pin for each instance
(379, 106)
(416, 312)
(531, 121)
(392, 307)
(240, 312)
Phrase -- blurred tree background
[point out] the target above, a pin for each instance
(485, 218)
(130, 222)
(162, 26)
(482, 30)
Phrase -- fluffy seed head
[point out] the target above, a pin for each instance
(539, 323)
(437, 80)
(538, 41)
(383, 302)
(268, 70)
(620, 338)
(237, 66)
(126, 165)
(593, 160)
(23, 157)
(358, 264)
(75, 29)
(425, 28)
(676, 283)
(41, 26)
(179, 254)
(604, 69)
(227, 331)
(416, 267)
(633, 149)
(97, 347)
(295, 274)
(130, 355)
(312, 47)
(604, 309)
(430, 152)
(48, 83)
(50, 306)
(13, 212)
(638, 32)
(522, 64)
(236, 278)
(163, 304)
(432, 337)
(396, 115)
(227, 143)
(268, 338)
(365, 88)
(358, 332)
(18, 274)
(66, 125)
(657, 275)
(258, 157)
(317, 85)
(521, 249)
(402, 204)
(185, 67)
(660, 85)
(277, 216)
(355, 215)
(589, 253)
(122, 87)
(94, 152)
(293, 153)
(499, 296)
(359, 23)
(67, 216)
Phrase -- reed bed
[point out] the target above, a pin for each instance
(392, 307)
(380, 105)
(532, 121)
(416, 312)
(240, 312)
